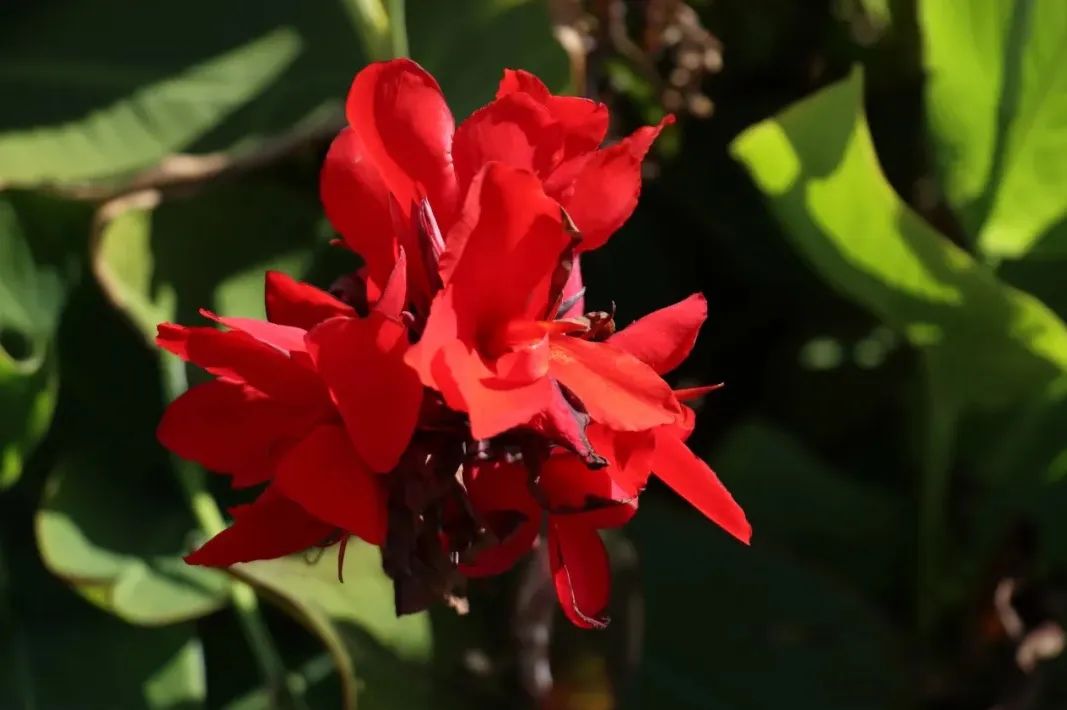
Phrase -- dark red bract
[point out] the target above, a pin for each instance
(456, 403)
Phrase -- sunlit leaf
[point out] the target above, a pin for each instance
(815, 161)
(996, 101)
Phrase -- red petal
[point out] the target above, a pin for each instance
(664, 338)
(232, 428)
(377, 393)
(573, 292)
(291, 302)
(694, 480)
(585, 495)
(515, 130)
(238, 357)
(581, 572)
(493, 405)
(495, 486)
(629, 454)
(502, 253)
(688, 394)
(405, 129)
(604, 194)
(616, 388)
(272, 526)
(502, 557)
(286, 338)
(394, 294)
(584, 122)
(325, 476)
(356, 201)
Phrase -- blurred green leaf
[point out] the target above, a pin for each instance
(996, 99)
(158, 118)
(92, 532)
(467, 46)
(989, 343)
(383, 660)
(61, 653)
(770, 471)
(209, 252)
(31, 297)
(723, 618)
(138, 82)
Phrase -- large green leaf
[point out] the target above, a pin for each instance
(162, 116)
(208, 252)
(722, 618)
(989, 343)
(162, 80)
(996, 102)
(91, 532)
(383, 660)
(31, 296)
(59, 652)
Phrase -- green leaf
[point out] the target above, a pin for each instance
(991, 343)
(31, 297)
(59, 652)
(159, 80)
(383, 660)
(160, 117)
(996, 101)
(850, 526)
(210, 252)
(92, 532)
(720, 615)
(467, 46)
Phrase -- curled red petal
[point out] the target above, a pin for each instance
(581, 572)
(272, 526)
(584, 122)
(361, 360)
(664, 338)
(292, 302)
(405, 129)
(617, 389)
(232, 428)
(357, 203)
(286, 338)
(604, 193)
(238, 357)
(492, 404)
(326, 478)
(694, 480)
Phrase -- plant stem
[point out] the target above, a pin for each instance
(384, 33)
(209, 518)
(398, 28)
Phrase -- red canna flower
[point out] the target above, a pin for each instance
(455, 401)
(315, 403)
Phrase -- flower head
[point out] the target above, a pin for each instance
(456, 405)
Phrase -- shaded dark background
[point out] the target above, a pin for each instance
(817, 431)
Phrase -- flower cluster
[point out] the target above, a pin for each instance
(453, 405)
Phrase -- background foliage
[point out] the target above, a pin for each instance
(873, 196)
